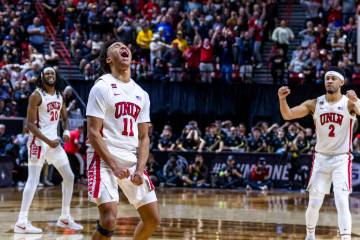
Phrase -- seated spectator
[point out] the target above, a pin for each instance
(174, 170)
(280, 144)
(229, 176)
(255, 142)
(190, 139)
(198, 174)
(166, 142)
(259, 178)
(212, 141)
(153, 168)
(235, 142)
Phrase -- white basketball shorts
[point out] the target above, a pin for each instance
(327, 169)
(39, 151)
(103, 184)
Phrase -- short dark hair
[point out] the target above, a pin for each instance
(105, 67)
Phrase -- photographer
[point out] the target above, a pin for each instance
(259, 178)
(198, 174)
(229, 176)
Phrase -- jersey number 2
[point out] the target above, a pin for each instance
(332, 129)
(125, 131)
(54, 115)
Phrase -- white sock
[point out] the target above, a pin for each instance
(344, 216)
(312, 211)
(29, 192)
(67, 186)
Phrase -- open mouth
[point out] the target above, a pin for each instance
(124, 54)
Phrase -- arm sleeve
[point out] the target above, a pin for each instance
(98, 98)
(145, 111)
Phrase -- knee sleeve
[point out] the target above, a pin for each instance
(103, 231)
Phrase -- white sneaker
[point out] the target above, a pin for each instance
(69, 223)
(26, 227)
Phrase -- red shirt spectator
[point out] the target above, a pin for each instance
(72, 146)
(149, 8)
(206, 53)
(259, 173)
(192, 56)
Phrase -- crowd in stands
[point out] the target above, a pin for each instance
(328, 39)
(170, 40)
(225, 137)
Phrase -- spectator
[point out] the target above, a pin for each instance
(206, 61)
(72, 149)
(166, 142)
(37, 35)
(212, 141)
(282, 36)
(198, 174)
(156, 49)
(280, 143)
(312, 8)
(143, 40)
(277, 66)
(235, 142)
(180, 41)
(245, 46)
(5, 140)
(192, 56)
(175, 61)
(255, 142)
(229, 175)
(75, 116)
(259, 178)
(174, 170)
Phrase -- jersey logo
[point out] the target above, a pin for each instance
(331, 118)
(321, 102)
(53, 106)
(127, 108)
(138, 98)
(340, 108)
(113, 85)
(117, 94)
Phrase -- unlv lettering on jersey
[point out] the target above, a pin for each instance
(127, 108)
(331, 118)
(53, 105)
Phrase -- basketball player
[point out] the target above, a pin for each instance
(44, 110)
(334, 115)
(118, 121)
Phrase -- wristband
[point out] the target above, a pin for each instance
(67, 133)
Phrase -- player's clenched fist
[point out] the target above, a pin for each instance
(351, 94)
(283, 92)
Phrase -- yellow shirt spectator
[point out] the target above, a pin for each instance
(181, 42)
(144, 37)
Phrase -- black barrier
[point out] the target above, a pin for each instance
(13, 125)
(279, 166)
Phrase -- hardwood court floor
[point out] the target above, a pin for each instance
(186, 214)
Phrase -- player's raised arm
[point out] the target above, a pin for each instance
(354, 103)
(299, 111)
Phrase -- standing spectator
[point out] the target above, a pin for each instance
(37, 35)
(277, 66)
(206, 61)
(226, 59)
(75, 116)
(143, 40)
(312, 8)
(72, 149)
(156, 49)
(175, 61)
(245, 48)
(282, 35)
(181, 42)
(192, 56)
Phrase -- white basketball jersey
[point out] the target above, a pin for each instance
(122, 106)
(48, 114)
(334, 125)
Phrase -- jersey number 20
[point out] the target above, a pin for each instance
(332, 129)
(54, 115)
